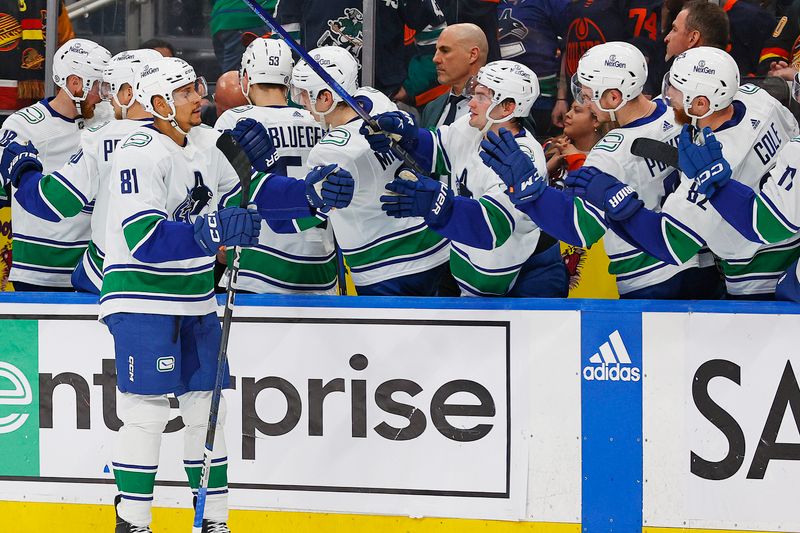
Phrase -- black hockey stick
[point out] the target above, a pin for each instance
(656, 150)
(338, 89)
(241, 164)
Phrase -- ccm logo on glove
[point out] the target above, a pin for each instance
(213, 227)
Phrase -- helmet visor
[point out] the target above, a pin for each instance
(581, 94)
(106, 91)
(668, 92)
(199, 87)
(481, 93)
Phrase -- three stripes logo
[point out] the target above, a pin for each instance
(611, 362)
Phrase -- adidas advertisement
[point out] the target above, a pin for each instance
(611, 362)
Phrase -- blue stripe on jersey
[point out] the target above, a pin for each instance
(64, 181)
(405, 259)
(171, 298)
(47, 270)
(64, 244)
(276, 283)
(30, 197)
(292, 257)
(140, 214)
(379, 240)
(465, 256)
(161, 270)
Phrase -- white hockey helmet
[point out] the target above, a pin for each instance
(161, 78)
(614, 65)
(338, 63)
(508, 80)
(83, 58)
(266, 61)
(122, 69)
(702, 71)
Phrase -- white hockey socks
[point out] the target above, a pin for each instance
(194, 408)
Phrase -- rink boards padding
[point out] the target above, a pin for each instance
(542, 415)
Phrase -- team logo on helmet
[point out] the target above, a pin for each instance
(612, 61)
(702, 68)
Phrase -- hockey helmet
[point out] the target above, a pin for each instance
(615, 65)
(83, 58)
(266, 61)
(702, 71)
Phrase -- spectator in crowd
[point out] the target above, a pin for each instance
(161, 46)
(461, 51)
(22, 52)
(582, 130)
(742, 26)
(227, 95)
(781, 53)
(595, 22)
(528, 32)
(229, 20)
(316, 23)
(482, 13)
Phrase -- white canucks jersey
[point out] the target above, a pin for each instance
(760, 127)
(634, 268)
(154, 180)
(46, 253)
(281, 263)
(376, 247)
(486, 272)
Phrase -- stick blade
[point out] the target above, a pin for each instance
(238, 160)
(655, 150)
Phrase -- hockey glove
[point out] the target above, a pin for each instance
(399, 126)
(618, 200)
(18, 159)
(703, 163)
(514, 166)
(329, 186)
(416, 195)
(232, 226)
(256, 143)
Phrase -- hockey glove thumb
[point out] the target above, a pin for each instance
(513, 165)
(256, 143)
(394, 125)
(18, 159)
(232, 226)
(329, 187)
(707, 164)
(416, 195)
(604, 191)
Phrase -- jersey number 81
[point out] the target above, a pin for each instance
(129, 183)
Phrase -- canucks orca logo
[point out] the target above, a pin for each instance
(510, 33)
(345, 32)
(196, 199)
(461, 185)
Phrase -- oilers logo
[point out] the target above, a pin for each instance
(196, 199)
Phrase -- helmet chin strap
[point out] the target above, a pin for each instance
(491, 121)
(322, 114)
(171, 120)
(122, 106)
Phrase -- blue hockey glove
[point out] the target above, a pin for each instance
(618, 200)
(18, 159)
(256, 143)
(329, 186)
(399, 126)
(416, 195)
(514, 166)
(232, 226)
(703, 163)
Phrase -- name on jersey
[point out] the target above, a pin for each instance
(658, 167)
(109, 145)
(295, 136)
(768, 145)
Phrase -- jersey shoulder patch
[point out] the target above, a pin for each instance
(31, 114)
(138, 139)
(610, 142)
(337, 137)
(96, 128)
(242, 109)
(749, 88)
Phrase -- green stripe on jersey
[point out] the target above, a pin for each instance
(135, 482)
(682, 245)
(631, 264)
(499, 222)
(305, 223)
(255, 183)
(764, 262)
(488, 284)
(768, 225)
(589, 227)
(217, 477)
(94, 256)
(179, 284)
(32, 253)
(415, 243)
(60, 196)
(302, 274)
(137, 231)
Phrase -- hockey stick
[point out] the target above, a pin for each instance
(656, 150)
(338, 89)
(241, 164)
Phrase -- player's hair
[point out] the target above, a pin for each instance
(710, 20)
(158, 43)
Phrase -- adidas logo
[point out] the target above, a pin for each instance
(666, 126)
(754, 123)
(609, 363)
(297, 114)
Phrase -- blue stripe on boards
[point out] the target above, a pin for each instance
(611, 421)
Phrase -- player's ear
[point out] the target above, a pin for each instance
(74, 84)
(160, 105)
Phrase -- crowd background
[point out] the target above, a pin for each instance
(424, 55)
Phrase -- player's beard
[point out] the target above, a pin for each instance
(681, 117)
(87, 110)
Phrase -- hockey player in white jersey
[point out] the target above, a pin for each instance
(703, 87)
(282, 263)
(45, 252)
(82, 184)
(386, 256)
(496, 250)
(167, 218)
(769, 214)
